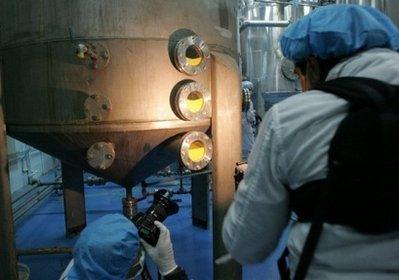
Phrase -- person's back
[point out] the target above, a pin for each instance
(293, 145)
(307, 124)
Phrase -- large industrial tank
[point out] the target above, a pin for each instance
(378, 4)
(114, 86)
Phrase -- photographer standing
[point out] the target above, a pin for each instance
(329, 154)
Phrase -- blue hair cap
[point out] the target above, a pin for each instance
(106, 249)
(336, 31)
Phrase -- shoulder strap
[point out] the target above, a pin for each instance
(377, 95)
(364, 92)
(313, 236)
(360, 93)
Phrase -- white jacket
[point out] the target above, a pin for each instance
(292, 149)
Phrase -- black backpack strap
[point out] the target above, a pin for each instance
(313, 237)
(363, 92)
(360, 93)
(383, 98)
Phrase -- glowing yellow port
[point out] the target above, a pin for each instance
(196, 151)
(193, 56)
(195, 102)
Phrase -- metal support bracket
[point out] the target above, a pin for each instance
(8, 256)
(200, 200)
(74, 199)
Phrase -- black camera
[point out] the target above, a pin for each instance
(162, 207)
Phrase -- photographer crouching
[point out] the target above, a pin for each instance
(112, 247)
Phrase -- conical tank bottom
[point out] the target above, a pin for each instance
(137, 153)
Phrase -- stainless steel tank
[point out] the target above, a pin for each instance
(262, 23)
(114, 85)
(378, 4)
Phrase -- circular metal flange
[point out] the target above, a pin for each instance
(188, 141)
(288, 69)
(193, 102)
(191, 66)
(97, 107)
(101, 155)
(95, 55)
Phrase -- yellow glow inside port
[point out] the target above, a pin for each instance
(193, 56)
(196, 151)
(195, 102)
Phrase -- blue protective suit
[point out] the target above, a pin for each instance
(106, 249)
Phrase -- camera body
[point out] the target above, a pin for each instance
(161, 208)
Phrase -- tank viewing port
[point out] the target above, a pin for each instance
(191, 101)
(196, 150)
(194, 56)
(191, 55)
(195, 101)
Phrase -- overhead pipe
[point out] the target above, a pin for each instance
(302, 3)
(45, 251)
(263, 23)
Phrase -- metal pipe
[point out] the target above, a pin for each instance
(172, 179)
(263, 23)
(238, 39)
(44, 251)
(90, 181)
(8, 257)
(15, 200)
(20, 212)
(303, 3)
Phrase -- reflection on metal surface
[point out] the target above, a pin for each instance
(196, 150)
(97, 107)
(262, 23)
(378, 4)
(191, 55)
(101, 155)
(192, 101)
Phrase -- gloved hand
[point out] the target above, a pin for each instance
(162, 253)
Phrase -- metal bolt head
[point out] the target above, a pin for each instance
(109, 156)
(104, 55)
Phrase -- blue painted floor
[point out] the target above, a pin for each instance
(44, 227)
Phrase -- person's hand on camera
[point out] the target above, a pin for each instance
(242, 168)
(162, 254)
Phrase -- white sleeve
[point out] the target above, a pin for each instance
(260, 211)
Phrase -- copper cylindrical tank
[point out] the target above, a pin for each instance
(92, 81)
